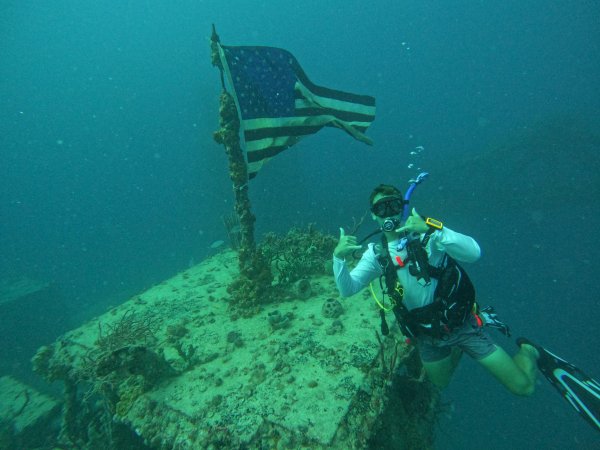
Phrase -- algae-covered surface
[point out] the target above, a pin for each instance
(22, 405)
(181, 369)
(24, 412)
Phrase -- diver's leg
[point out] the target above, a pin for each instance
(440, 372)
(518, 373)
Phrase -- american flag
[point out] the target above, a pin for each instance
(278, 105)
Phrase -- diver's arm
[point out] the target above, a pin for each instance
(459, 246)
(349, 283)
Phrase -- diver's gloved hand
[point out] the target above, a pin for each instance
(414, 224)
(346, 245)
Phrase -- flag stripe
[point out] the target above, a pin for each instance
(269, 152)
(309, 99)
(251, 135)
(346, 116)
(332, 93)
(261, 144)
(265, 133)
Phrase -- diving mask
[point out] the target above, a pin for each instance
(388, 207)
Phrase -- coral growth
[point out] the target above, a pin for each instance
(279, 321)
(110, 376)
(122, 352)
(248, 292)
(303, 289)
(299, 254)
(128, 330)
(332, 308)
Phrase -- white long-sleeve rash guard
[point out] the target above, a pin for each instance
(459, 246)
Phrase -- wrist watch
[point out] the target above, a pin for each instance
(434, 224)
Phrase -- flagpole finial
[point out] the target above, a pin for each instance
(214, 36)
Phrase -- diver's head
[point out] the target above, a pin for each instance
(387, 205)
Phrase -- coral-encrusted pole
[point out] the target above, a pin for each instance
(228, 136)
(255, 273)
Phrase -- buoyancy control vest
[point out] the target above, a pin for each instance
(454, 294)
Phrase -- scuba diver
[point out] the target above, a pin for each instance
(418, 265)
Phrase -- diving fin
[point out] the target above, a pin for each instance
(579, 389)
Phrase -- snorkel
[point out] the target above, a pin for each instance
(409, 191)
(391, 223)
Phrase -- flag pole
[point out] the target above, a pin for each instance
(252, 287)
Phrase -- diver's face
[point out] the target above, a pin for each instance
(386, 207)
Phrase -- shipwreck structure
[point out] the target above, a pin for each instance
(179, 366)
